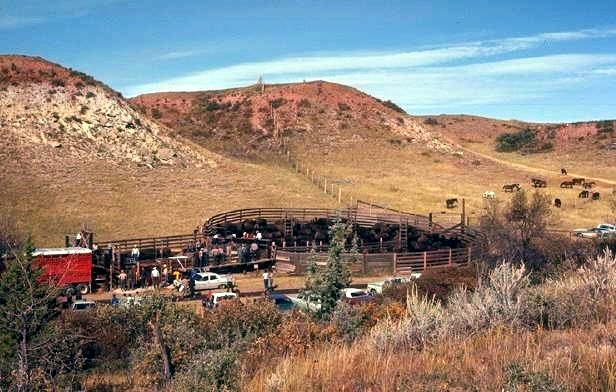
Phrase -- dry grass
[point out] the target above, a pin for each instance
(577, 359)
(129, 202)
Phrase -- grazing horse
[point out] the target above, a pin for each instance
(589, 185)
(584, 195)
(557, 203)
(538, 183)
(489, 195)
(511, 187)
(596, 195)
(566, 184)
(451, 203)
(577, 181)
(563, 171)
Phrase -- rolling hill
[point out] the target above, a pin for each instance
(75, 152)
(379, 153)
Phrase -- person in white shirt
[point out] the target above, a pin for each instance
(155, 277)
(266, 280)
(259, 235)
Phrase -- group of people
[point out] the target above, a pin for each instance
(136, 278)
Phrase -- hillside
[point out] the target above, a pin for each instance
(254, 120)
(584, 148)
(75, 152)
(376, 152)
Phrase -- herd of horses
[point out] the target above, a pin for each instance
(586, 193)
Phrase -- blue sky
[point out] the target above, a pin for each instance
(529, 60)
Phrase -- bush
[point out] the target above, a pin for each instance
(156, 114)
(509, 142)
(430, 121)
(393, 106)
(90, 94)
(419, 328)
(57, 83)
(498, 301)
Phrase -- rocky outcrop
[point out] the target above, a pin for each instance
(81, 117)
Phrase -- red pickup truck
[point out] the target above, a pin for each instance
(70, 268)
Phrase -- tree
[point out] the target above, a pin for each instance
(38, 348)
(514, 231)
(326, 284)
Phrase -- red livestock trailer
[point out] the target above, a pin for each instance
(67, 267)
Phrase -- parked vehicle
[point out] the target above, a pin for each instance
(282, 302)
(81, 305)
(377, 287)
(70, 268)
(219, 298)
(355, 296)
(600, 231)
(312, 302)
(212, 281)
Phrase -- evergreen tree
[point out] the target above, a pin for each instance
(325, 285)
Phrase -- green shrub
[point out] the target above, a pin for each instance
(156, 114)
(278, 102)
(430, 121)
(519, 379)
(90, 94)
(57, 83)
(393, 106)
(509, 142)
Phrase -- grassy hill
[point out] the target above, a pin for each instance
(75, 152)
(378, 153)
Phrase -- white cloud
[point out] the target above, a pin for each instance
(455, 75)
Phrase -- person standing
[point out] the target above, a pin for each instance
(165, 275)
(265, 280)
(155, 278)
(122, 278)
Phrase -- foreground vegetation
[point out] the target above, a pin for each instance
(540, 321)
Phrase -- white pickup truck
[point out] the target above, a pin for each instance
(377, 287)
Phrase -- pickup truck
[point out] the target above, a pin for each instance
(600, 231)
(377, 287)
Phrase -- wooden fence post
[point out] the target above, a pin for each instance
(339, 195)
(364, 264)
(450, 260)
(325, 185)
(469, 255)
(425, 261)
(395, 262)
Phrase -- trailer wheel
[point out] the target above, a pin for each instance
(84, 288)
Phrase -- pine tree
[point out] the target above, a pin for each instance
(325, 285)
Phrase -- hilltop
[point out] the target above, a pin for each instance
(257, 119)
(583, 148)
(75, 152)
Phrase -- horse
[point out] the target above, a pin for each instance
(566, 184)
(589, 185)
(489, 195)
(511, 187)
(538, 183)
(557, 203)
(577, 181)
(451, 203)
(563, 171)
(596, 195)
(584, 195)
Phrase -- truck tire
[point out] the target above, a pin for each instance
(84, 288)
(69, 291)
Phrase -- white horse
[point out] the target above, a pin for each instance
(489, 195)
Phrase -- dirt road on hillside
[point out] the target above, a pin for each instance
(533, 169)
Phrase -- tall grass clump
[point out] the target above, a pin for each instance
(584, 296)
(498, 301)
(415, 331)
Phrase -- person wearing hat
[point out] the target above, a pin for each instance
(155, 278)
